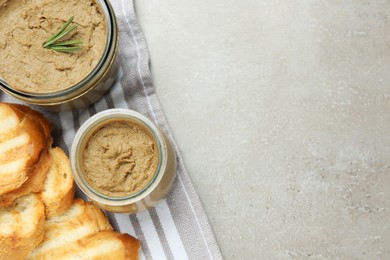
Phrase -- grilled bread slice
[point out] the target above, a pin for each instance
(81, 220)
(132, 246)
(36, 116)
(33, 184)
(59, 188)
(21, 227)
(24, 133)
(103, 245)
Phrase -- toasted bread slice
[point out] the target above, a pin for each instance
(81, 220)
(33, 184)
(104, 245)
(35, 115)
(59, 188)
(132, 246)
(21, 227)
(24, 133)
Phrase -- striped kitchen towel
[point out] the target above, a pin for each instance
(177, 228)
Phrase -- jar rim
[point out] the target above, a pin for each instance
(91, 125)
(110, 22)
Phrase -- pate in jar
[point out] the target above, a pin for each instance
(122, 161)
(73, 72)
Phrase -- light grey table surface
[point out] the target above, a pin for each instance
(281, 112)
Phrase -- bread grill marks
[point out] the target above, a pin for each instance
(84, 231)
(21, 227)
(51, 176)
(79, 221)
(33, 184)
(24, 133)
(102, 245)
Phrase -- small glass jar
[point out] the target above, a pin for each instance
(91, 88)
(154, 191)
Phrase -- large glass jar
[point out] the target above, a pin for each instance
(89, 89)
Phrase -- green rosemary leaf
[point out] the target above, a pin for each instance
(65, 48)
(58, 32)
(54, 42)
(67, 43)
(61, 35)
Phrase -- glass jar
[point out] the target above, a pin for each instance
(154, 191)
(88, 90)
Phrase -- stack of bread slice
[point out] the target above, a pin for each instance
(39, 216)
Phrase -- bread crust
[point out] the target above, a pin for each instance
(36, 116)
(131, 244)
(59, 187)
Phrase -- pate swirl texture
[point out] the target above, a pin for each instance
(120, 159)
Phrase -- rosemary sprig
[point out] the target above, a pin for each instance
(54, 43)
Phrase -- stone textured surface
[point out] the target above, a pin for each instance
(281, 110)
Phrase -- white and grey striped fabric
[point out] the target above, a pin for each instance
(177, 228)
